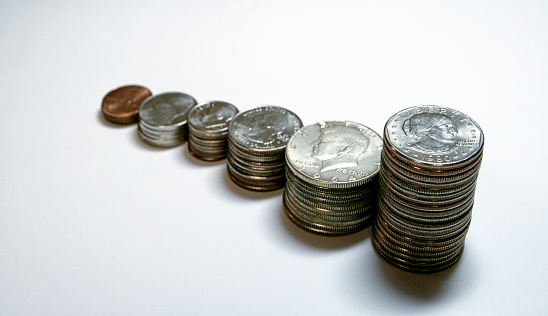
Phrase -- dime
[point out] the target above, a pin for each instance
(429, 168)
(163, 118)
(208, 129)
(332, 177)
(121, 105)
(257, 138)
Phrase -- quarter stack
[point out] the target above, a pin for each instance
(208, 129)
(430, 164)
(163, 119)
(257, 138)
(332, 177)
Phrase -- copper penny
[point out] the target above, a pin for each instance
(121, 105)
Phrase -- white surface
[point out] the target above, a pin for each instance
(94, 222)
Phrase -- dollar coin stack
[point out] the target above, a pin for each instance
(208, 129)
(163, 119)
(430, 164)
(332, 177)
(257, 138)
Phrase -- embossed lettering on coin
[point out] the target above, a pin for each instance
(264, 127)
(335, 151)
(212, 115)
(431, 133)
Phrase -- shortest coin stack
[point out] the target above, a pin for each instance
(256, 146)
(163, 119)
(121, 105)
(332, 177)
(208, 129)
(430, 163)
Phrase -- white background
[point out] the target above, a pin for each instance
(94, 222)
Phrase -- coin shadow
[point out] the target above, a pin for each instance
(319, 241)
(244, 193)
(419, 286)
(101, 118)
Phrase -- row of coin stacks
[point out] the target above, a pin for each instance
(416, 185)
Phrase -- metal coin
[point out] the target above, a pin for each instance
(121, 105)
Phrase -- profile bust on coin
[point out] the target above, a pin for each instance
(433, 131)
(267, 127)
(339, 150)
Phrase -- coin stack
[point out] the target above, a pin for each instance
(121, 105)
(430, 163)
(163, 119)
(208, 129)
(257, 138)
(332, 177)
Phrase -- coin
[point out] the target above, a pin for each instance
(332, 177)
(121, 105)
(208, 129)
(429, 168)
(163, 118)
(257, 138)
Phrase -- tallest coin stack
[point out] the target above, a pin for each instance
(429, 167)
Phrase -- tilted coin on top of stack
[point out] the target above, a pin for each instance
(208, 129)
(121, 105)
(163, 119)
(257, 138)
(332, 177)
(430, 163)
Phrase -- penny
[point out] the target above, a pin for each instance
(121, 105)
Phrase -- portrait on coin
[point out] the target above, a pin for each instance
(432, 132)
(265, 127)
(339, 148)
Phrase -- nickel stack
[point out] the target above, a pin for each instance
(163, 119)
(430, 163)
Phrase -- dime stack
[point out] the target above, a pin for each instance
(430, 163)
(257, 138)
(208, 129)
(163, 119)
(121, 105)
(332, 177)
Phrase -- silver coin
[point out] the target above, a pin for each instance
(434, 135)
(211, 117)
(264, 128)
(429, 168)
(166, 109)
(335, 154)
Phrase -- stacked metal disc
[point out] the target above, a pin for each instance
(208, 129)
(430, 163)
(163, 119)
(332, 177)
(257, 138)
(121, 105)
